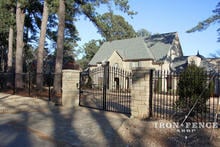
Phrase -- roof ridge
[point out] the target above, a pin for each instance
(124, 39)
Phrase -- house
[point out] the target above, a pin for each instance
(157, 52)
(161, 52)
(215, 62)
(180, 63)
(153, 52)
(210, 65)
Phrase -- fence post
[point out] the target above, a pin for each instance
(105, 82)
(49, 84)
(70, 91)
(29, 83)
(13, 80)
(141, 95)
(151, 93)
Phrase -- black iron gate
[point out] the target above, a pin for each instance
(106, 88)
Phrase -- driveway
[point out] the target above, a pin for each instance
(36, 120)
(29, 122)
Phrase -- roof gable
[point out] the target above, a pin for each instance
(160, 44)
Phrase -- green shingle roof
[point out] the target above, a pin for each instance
(154, 47)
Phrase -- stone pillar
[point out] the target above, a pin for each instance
(141, 93)
(70, 91)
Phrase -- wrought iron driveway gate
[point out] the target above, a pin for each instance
(105, 88)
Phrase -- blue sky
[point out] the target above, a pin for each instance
(162, 16)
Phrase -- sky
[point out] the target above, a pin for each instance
(163, 16)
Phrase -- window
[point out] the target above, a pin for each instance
(116, 79)
(127, 82)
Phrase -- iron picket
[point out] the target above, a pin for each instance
(165, 95)
(112, 95)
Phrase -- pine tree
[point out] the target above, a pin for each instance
(207, 22)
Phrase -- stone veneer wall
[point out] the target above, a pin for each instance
(70, 91)
(141, 93)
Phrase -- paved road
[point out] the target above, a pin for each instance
(78, 127)
(17, 136)
(27, 123)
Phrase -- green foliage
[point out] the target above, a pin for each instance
(69, 50)
(6, 16)
(193, 87)
(33, 10)
(53, 6)
(143, 33)
(207, 22)
(105, 22)
(124, 7)
(114, 27)
(89, 50)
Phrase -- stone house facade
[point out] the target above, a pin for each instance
(161, 52)
(156, 51)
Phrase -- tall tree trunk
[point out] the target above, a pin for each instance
(59, 53)
(10, 55)
(40, 53)
(20, 16)
(10, 48)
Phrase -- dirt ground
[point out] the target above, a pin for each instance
(147, 134)
(43, 94)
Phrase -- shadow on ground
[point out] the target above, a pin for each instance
(47, 125)
(61, 126)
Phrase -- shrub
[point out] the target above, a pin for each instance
(193, 86)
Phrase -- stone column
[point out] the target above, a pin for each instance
(141, 93)
(70, 91)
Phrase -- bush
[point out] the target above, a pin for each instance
(193, 86)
